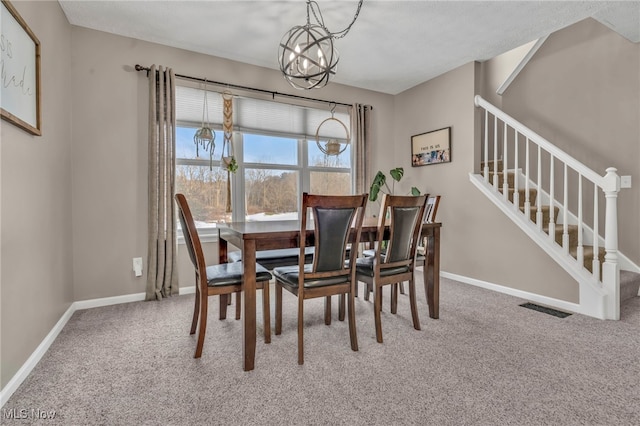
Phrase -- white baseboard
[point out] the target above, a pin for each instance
(107, 301)
(187, 290)
(35, 357)
(42, 348)
(543, 300)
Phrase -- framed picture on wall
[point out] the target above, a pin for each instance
(432, 147)
(20, 92)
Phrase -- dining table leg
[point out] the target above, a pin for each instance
(432, 272)
(249, 306)
(222, 258)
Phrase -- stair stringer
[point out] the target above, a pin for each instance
(592, 296)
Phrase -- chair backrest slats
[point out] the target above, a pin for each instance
(431, 208)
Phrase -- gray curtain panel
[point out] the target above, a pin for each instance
(361, 123)
(162, 280)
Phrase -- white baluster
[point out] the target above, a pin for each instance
(527, 201)
(580, 253)
(495, 153)
(552, 224)
(505, 165)
(595, 264)
(516, 194)
(486, 146)
(565, 210)
(538, 198)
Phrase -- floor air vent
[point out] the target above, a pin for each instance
(546, 310)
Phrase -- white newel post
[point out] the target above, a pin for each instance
(610, 268)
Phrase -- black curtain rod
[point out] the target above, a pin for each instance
(253, 89)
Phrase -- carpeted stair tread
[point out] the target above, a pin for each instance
(521, 196)
(510, 178)
(491, 165)
(545, 214)
(572, 230)
(587, 255)
(629, 285)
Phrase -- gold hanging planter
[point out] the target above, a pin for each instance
(332, 147)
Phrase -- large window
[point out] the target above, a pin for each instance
(278, 158)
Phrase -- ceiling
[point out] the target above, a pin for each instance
(393, 45)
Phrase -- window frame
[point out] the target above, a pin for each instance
(303, 168)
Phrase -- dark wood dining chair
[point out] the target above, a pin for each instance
(395, 263)
(223, 279)
(337, 222)
(430, 210)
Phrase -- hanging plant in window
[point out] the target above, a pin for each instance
(228, 161)
(204, 136)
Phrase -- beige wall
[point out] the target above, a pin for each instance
(36, 201)
(581, 92)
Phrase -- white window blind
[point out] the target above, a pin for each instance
(262, 116)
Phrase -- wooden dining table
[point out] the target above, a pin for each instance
(250, 237)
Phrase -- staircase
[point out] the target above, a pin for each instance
(557, 201)
(547, 220)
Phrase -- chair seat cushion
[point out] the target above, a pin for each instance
(271, 259)
(364, 266)
(231, 273)
(290, 275)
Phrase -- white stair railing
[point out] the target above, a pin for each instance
(563, 182)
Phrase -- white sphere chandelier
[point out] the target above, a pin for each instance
(307, 56)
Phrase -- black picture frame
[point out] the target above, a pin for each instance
(432, 147)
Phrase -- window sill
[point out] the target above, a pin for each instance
(207, 235)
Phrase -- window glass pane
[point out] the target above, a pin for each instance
(271, 194)
(330, 183)
(206, 192)
(186, 147)
(318, 159)
(270, 149)
(268, 142)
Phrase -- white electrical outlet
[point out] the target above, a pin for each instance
(625, 181)
(137, 266)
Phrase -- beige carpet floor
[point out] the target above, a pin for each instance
(486, 361)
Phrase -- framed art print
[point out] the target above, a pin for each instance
(431, 147)
(20, 96)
